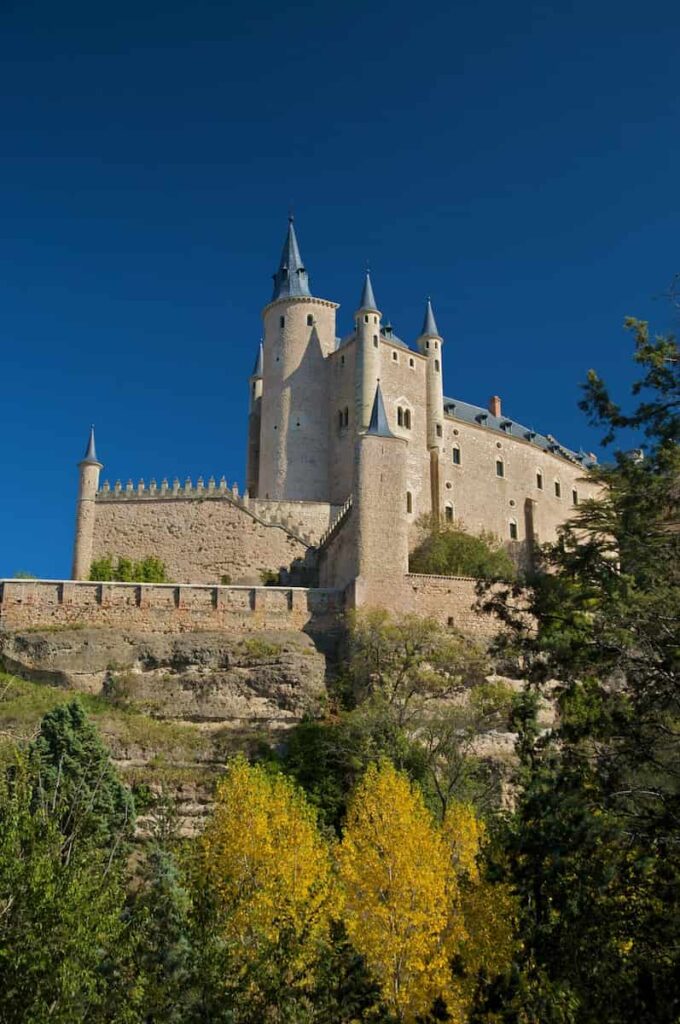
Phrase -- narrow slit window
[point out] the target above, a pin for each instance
(375, 340)
(455, 453)
(412, 363)
(345, 417)
(558, 489)
(436, 366)
(513, 529)
(500, 467)
(400, 416)
(539, 480)
(439, 430)
(395, 357)
(310, 320)
(448, 513)
(407, 418)
(409, 502)
(574, 497)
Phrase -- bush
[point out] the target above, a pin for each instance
(124, 570)
(450, 551)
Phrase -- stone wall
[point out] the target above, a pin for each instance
(164, 608)
(200, 539)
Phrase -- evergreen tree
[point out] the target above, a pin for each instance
(77, 780)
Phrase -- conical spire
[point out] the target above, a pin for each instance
(259, 362)
(91, 452)
(429, 323)
(378, 424)
(367, 297)
(291, 277)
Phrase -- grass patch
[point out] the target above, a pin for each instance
(255, 647)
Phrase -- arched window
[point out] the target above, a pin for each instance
(395, 357)
(436, 366)
(455, 455)
(366, 318)
(539, 479)
(513, 529)
(400, 416)
(409, 502)
(407, 418)
(412, 363)
(345, 417)
(439, 430)
(310, 320)
(448, 513)
(500, 467)
(375, 340)
(574, 497)
(558, 489)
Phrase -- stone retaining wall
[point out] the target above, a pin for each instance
(164, 608)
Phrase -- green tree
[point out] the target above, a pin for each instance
(449, 550)
(124, 570)
(63, 940)
(77, 780)
(594, 847)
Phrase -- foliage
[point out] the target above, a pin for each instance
(416, 904)
(76, 778)
(270, 577)
(124, 570)
(23, 575)
(449, 550)
(267, 873)
(594, 846)
(62, 934)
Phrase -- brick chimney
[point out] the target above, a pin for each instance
(495, 405)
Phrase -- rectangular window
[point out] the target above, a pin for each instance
(558, 489)
(574, 497)
(439, 430)
(539, 481)
(456, 456)
(513, 530)
(500, 468)
(436, 365)
(448, 514)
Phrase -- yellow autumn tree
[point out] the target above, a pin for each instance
(397, 882)
(269, 871)
(481, 939)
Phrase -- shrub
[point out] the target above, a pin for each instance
(451, 551)
(124, 570)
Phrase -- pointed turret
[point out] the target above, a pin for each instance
(430, 328)
(291, 277)
(367, 297)
(90, 457)
(378, 424)
(259, 362)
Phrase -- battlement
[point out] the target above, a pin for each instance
(164, 607)
(306, 521)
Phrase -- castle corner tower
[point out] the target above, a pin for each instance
(430, 344)
(89, 469)
(299, 333)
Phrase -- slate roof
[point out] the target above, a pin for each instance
(481, 417)
(91, 452)
(378, 424)
(291, 278)
(429, 322)
(367, 300)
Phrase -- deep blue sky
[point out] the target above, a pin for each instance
(518, 161)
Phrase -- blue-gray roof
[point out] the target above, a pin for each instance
(504, 425)
(91, 452)
(429, 322)
(291, 277)
(259, 362)
(367, 300)
(386, 332)
(378, 424)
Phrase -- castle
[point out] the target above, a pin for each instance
(351, 441)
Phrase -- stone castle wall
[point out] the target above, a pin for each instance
(164, 608)
(204, 535)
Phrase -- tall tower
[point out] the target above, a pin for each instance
(381, 522)
(89, 469)
(254, 424)
(430, 345)
(367, 319)
(299, 333)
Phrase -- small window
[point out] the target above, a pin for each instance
(455, 454)
(282, 321)
(513, 529)
(412, 363)
(345, 417)
(539, 479)
(375, 319)
(427, 344)
(340, 419)
(500, 467)
(395, 357)
(407, 418)
(409, 502)
(448, 513)
(436, 366)
(436, 346)
(310, 320)
(558, 489)
(400, 416)
(366, 318)
(574, 497)
(439, 430)
(342, 360)
(375, 340)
